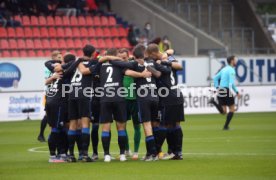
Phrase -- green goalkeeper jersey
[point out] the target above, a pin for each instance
(131, 94)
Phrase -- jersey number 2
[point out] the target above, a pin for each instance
(109, 70)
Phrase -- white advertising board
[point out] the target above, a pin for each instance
(12, 104)
(253, 99)
(22, 75)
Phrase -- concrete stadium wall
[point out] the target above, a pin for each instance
(135, 12)
(247, 12)
(186, 38)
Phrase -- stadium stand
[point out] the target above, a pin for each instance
(210, 26)
(218, 18)
(44, 33)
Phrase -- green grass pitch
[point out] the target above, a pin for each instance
(248, 151)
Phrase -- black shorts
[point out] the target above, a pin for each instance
(78, 108)
(95, 110)
(225, 97)
(171, 114)
(159, 113)
(132, 111)
(57, 114)
(113, 111)
(148, 111)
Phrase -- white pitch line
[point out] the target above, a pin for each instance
(36, 150)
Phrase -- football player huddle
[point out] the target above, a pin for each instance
(116, 87)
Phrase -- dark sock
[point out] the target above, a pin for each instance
(78, 140)
(85, 138)
(95, 138)
(150, 145)
(161, 136)
(64, 141)
(106, 142)
(137, 137)
(43, 125)
(178, 136)
(127, 141)
(122, 140)
(72, 135)
(218, 106)
(154, 131)
(228, 119)
(53, 141)
(170, 140)
(60, 149)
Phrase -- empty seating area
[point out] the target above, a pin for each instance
(38, 36)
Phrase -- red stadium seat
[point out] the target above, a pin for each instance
(52, 32)
(78, 43)
(106, 32)
(74, 21)
(18, 18)
(101, 44)
(38, 44)
(94, 42)
(70, 44)
(89, 21)
(54, 44)
(12, 44)
(125, 43)
(23, 53)
(36, 33)
(40, 53)
(76, 32)
(65, 21)
(11, 32)
(62, 44)
(122, 32)
(34, 21)
(46, 44)
(114, 32)
(14, 53)
(19, 32)
(44, 32)
(29, 44)
(68, 32)
(104, 21)
(82, 21)
(91, 32)
(85, 41)
(109, 43)
(26, 21)
(3, 32)
(79, 53)
(6, 54)
(28, 32)
(42, 21)
(99, 32)
(31, 53)
(4, 44)
(71, 51)
(112, 21)
(97, 21)
(58, 21)
(117, 43)
(83, 32)
(50, 21)
(47, 53)
(60, 32)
